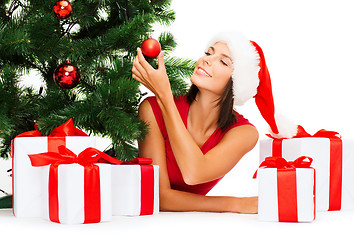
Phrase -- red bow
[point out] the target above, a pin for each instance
(92, 180)
(335, 174)
(281, 163)
(65, 156)
(66, 129)
(301, 133)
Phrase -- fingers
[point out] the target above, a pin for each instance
(144, 73)
(138, 70)
(139, 74)
(143, 82)
(161, 61)
(142, 61)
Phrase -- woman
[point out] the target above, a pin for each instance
(198, 138)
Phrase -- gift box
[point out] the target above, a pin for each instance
(286, 193)
(26, 180)
(72, 195)
(135, 188)
(75, 188)
(333, 162)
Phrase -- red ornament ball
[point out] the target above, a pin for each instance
(63, 9)
(67, 75)
(151, 48)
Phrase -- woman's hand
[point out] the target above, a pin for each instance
(244, 205)
(156, 80)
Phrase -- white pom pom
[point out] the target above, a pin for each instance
(286, 127)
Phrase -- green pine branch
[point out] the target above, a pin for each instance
(100, 38)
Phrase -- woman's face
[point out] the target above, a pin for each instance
(214, 69)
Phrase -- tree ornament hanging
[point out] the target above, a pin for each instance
(151, 48)
(67, 75)
(63, 9)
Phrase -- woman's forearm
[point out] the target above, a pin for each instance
(174, 200)
(183, 145)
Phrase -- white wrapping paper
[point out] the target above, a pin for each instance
(319, 150)
(71, 193)
(126, 190)
(268, 194)
(27, 179)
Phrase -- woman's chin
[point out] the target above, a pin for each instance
(197, 79)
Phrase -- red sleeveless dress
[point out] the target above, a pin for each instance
(174, 172)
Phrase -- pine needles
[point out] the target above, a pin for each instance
(100, 38)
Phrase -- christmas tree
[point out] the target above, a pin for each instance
(97, 40)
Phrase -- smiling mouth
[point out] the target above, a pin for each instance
(201, 71)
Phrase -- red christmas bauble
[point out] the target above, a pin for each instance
(67, 75)
(63, 9)
(151, 48)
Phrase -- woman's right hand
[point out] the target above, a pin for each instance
(245, 205)
(156, 80)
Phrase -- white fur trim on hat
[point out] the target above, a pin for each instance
(245, 63)
(286, 127)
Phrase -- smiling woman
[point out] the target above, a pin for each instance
(196, 139)
(213, 70)
(225, 102)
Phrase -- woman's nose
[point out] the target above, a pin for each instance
(208, 60)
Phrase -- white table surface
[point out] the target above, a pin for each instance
(182, 225)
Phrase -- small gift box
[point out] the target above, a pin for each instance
(26, 180)
(333, 161)
(135, 188)
(75, 189)
(286, 190)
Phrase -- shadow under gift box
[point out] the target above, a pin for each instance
(27, 190)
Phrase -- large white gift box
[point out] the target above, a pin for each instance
(27, 190)
(135, 190)
(333, 160)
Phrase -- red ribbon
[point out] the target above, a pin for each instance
(147, 185)
(287, 195)
(336, 161)
(92, 199)
(55, 139)
(286, 184)
(281, 163)
(92, 186)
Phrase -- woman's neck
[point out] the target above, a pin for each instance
(204, 113)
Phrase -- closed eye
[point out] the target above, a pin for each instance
(223, 62)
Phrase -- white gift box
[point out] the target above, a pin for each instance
(71, 193)
(126, 190)
(27, 179)
(319, 150)
(268, 208)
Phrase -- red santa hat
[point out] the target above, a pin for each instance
(251, 79)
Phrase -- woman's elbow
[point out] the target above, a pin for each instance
(165, 202)
(191, 178)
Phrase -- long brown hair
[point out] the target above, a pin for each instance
(227, 115)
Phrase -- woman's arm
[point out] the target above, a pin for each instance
(153, 146)
(214, 164)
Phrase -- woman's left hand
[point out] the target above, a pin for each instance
(156, 80)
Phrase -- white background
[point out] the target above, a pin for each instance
(308, 46)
